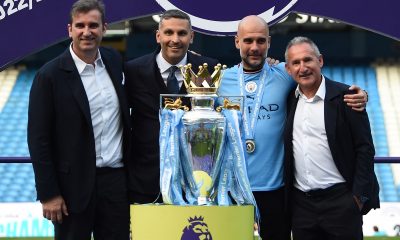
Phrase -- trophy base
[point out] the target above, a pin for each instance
(172, 222)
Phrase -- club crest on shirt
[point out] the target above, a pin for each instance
(223, 16)
(251, 87)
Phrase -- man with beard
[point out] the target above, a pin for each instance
(146, 78)
(265, 89)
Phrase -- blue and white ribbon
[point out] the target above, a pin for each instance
(170, 169)
(249, 122)
(240, 186)
(192, 191)
(232, 175)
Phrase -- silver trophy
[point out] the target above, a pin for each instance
(204, 131)
(202, 135)
(192, 143)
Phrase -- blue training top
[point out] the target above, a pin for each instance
(265, 164)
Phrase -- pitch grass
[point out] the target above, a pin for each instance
(32, 238)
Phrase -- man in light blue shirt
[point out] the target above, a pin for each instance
(265, 89)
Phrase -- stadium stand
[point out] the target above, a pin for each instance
(17, 180)
(366, 78)
(14, 113)
(388, 80)
(382, 81)
(7, 81)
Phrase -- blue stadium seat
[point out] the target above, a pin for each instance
(14, 117)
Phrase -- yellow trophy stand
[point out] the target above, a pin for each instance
(172, 222)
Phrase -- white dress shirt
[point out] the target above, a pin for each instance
(164, 66)
(313, 162)
(104, 111)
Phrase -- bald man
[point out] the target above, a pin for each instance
(265, 89)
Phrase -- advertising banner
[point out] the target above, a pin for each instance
(24, 220)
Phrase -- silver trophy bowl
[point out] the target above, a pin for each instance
(204, 131)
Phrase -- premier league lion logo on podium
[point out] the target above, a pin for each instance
(196, 230)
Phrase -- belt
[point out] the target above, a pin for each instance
(318, 193)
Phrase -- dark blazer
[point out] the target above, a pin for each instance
(144, 85)
(349, 140)
(60, 133)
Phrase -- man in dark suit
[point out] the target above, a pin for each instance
(78, 134)
(329, 167)
(146, 79)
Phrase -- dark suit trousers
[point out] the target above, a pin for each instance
(107, 215)
(329, 214)
(274, 224)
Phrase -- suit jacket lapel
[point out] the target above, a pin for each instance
(155, 71)
(292, 104)
(73, 79)
(289, 162)
(331, 106)
(116, 80)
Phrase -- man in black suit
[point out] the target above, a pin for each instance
(78, 134)
(329, 162)
(146, 79)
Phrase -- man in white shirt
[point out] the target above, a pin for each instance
(78, 134)
(329, 153)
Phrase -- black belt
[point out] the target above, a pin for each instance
(104, 170)
(318, 193)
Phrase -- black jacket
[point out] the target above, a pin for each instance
(350, 142)
(144, 85)
(60, 133)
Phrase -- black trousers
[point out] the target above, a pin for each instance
(329, 214)
(107, 215)
(274, 224)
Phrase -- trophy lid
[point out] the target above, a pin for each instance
(202, 83)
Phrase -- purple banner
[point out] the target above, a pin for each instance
(27, 26)
(376, 16)
(42, 23)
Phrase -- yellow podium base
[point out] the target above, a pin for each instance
(171, 222)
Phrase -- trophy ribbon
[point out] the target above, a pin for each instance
(249, 123)
(235, 148)
(190, 186)
(224, 182)
(170, 171)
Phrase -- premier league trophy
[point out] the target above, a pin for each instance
(203, 130)
(201, 150)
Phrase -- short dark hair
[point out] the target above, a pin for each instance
(175, 13)
(84, 6)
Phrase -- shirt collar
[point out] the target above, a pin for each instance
(320, 92)
(81, 65)
(163, 65)
(265, 66)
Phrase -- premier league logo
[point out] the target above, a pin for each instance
(196, 230)
(223, 16)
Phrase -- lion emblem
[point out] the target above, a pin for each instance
(196, 230)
